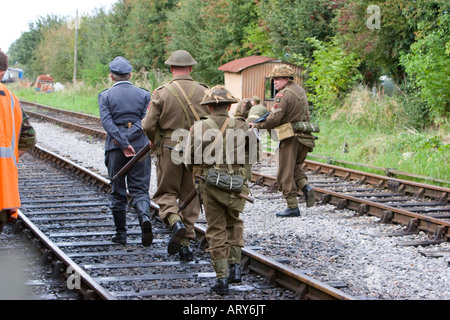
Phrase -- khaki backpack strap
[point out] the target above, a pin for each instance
(175, 94)
(188, 101)
(222, 130)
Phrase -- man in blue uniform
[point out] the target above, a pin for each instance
(122, 107)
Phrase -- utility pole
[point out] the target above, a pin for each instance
(75, 50)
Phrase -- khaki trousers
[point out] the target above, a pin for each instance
(174, 184)
(291, 156)
(225, 228)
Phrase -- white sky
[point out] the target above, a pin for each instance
(16, 14)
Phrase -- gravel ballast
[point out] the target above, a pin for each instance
(337, 247)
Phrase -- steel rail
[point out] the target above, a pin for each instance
(91, 287)
(416, 188)
(304, 287)
(439, 228)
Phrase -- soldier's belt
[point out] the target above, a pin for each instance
(126, 124)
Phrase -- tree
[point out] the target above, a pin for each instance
(427, 63)
(287, 25)
(212, 31)
(55, 53)
(24, 49)
(332, 73)
(379, 48)
(138, 31)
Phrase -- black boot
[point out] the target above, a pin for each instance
(221, 286)
(120, 221)
(186, 254)
(143, 213)
(289, 212)
(234, 273)
(309, 196)
(178, 231)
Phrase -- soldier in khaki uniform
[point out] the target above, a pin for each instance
(222, 208)
(256, 112)
(174, 107)
(291, 105)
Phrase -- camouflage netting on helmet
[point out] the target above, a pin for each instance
(282, 71)
(219, 95)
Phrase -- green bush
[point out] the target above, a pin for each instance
(332, 74)
(427, 65)
(98, 75)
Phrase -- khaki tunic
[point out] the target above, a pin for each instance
(291, 105)
(165, 115)
(222, 208)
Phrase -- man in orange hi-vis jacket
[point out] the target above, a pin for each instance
(11, 118)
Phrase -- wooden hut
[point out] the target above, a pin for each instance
(249, 76)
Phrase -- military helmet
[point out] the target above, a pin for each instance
(282, 71)
(218, 95)
(257, 99)
(180, 58)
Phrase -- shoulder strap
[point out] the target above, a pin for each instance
(211, 147)
(175, 94)
(188, 101)
(209, 121)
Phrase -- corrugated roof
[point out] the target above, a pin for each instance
(243, 63)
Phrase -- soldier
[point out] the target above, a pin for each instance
(222, 207)
(291, 105)
(122, 107)
(173, 109)
(257, 111)
(242, 108)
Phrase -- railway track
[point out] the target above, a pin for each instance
(420, 207)
(64, 207)
(349, 189)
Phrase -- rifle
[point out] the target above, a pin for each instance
(143, 152)
(188, 200)
(262, 118)
(240, 195)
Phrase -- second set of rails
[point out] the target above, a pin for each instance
(419, 207)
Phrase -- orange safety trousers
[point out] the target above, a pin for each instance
(10, 126)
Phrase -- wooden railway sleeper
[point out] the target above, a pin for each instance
(300, 291)
(411, 229)
(444, 197)
(439, 237)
